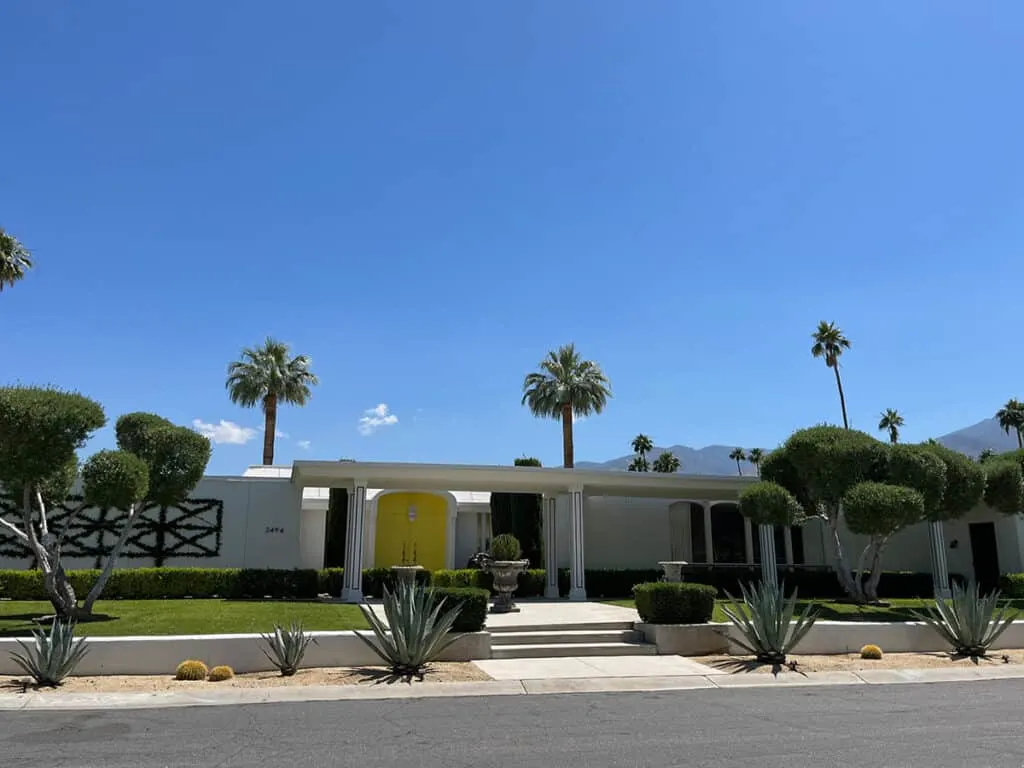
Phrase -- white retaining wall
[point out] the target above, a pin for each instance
(160, 655)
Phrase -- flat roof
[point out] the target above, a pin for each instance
(471, 477)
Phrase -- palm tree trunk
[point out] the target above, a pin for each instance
(269, 428)
(567, 446)
(1020, 438)
(842, 397)
(739, 469)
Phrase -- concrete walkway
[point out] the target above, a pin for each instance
(559, 613)
(594, 667)
(242, 696)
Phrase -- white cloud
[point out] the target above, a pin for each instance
(304, 444)
(375, 418)
(225, 432)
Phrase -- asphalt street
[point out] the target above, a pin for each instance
(931, 726)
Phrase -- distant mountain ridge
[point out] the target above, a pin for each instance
(714, 459)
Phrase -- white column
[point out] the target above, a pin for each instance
(577, 585)
(769, 574)
(550, 523)
(709, 540)
(787, 538)
(748, 541)
(940, 568)
(352, 590)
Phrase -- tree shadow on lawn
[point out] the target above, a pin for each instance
(33, 621)
(889, 614)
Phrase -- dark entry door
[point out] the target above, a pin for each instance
(985, 555)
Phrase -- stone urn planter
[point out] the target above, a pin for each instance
(506, 581)
(673, 570)
(406, 573)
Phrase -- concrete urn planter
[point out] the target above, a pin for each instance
(506, 580)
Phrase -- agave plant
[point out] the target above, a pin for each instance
(415, 632)
(52, 657)
(286, 647)
(969, 621)
(765, 620)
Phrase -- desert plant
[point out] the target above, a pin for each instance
(53, 656)
(506, 547)
(871, 652)
(191, 669)
(220, 673)
(286, 647)
(416, 630)
(969, 621)
(765, 621)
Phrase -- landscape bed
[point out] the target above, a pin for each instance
(852, 662)
(438, 672)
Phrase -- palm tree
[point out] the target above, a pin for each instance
(1011, 416)
(269, 376)
(642, 445)
(667, 463)
(891, 421)
(829, 343)
(565, 386)
(15, 260)
(755, 457)
(738, 455)
(986, 455)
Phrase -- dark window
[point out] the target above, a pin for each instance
(728, 533)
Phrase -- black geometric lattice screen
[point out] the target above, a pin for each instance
(191, 529)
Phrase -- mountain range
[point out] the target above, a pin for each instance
(714, 459)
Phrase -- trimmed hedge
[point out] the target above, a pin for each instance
(1012, 585)
(473, 602)
(306, 584)
(664, 602)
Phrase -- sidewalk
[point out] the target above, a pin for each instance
(691, 682)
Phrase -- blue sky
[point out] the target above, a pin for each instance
(425, 197)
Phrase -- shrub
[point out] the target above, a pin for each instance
(617, 582)
(674, 603)
(1012, 585)
(265, 582)
(53, 656)
(286, 647)
(191, 669)
(221, 673)
(472, 603)
(871, 652)
(506, 547)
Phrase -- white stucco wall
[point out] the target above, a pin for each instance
(259, 529)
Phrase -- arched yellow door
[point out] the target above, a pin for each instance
(411, 529)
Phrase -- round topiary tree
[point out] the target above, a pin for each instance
(1004, 487)
(878, 511)
(41, 429)
(767, 504)
(818, 465)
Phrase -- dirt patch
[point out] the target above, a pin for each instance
(852, 662)
(441, 672)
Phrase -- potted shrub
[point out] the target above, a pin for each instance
(505, 564)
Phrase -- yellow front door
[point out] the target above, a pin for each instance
(411, 530)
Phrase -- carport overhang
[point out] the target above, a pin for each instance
(503, 479)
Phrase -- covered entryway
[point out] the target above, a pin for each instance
(411, 530)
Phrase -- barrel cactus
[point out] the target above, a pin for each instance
(871, 652)
(220, 673)
(191, 670)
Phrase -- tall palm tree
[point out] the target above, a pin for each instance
(642, 445)
(738, 455)
(268, 376)
(755, 456)
(667, 463)
(15, 260)
(1011, 416)
(891, 421)
(565, 386)
(830, 343)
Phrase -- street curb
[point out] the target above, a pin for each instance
(31, 702)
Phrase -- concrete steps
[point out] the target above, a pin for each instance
(572, 640)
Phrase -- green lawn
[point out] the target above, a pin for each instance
(188, 617)
(898, 610)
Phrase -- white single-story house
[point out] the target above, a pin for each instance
(438, 516)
